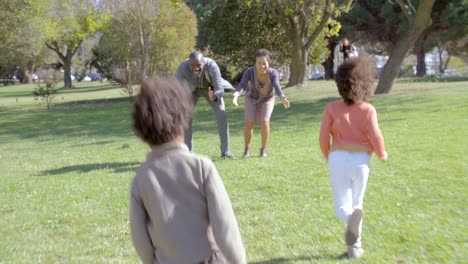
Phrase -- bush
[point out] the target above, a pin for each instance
(46, 92)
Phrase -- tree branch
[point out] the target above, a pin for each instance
(406, 10)
(323, 22)
(54, 46)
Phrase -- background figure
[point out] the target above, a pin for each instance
(343, 51)
(180, 211)
(260, 82)
(355, 133)
(203, 77)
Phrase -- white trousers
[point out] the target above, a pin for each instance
(349, 172)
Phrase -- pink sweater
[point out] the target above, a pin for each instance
(352, 127)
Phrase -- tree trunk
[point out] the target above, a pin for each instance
(66, 60)
(328, 63)
(298, 65)
(144, 36)
(442, 65)
(67, 81)
(421, 57)
(27, 76)
(128, 77)
(421, 21)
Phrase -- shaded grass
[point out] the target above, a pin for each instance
(64, 177)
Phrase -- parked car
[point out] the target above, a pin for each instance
(95, 76)
(317, 76)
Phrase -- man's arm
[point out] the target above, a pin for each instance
(213, 70)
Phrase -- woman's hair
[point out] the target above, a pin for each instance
(354, 79)
(263, 53)
(162, 110)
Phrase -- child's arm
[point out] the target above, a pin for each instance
(375, 136)
(222, 219)
(324, 138)
(138, 220)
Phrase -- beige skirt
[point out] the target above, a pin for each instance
(258, 112)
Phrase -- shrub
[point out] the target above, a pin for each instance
(46, 92)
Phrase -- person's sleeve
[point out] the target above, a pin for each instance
(324, 136)
(243, 83)
(223, 221)
(336, 58)
(375, 135)
(138, 220)
(216, 80)
(180, 72)
(276, 84)
(354, 51)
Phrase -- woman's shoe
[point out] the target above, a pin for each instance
(263, 153)
(246, 152)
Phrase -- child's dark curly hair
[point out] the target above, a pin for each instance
(162, 110)
(354, 79)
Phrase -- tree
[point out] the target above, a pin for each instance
(236, 31)
(21, 37)
(67, 24)
(448, 32)
(146, 38)
(297, 26)
(418, 21)
(303, 22)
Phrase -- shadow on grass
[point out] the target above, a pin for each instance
(433, 78)
(92, 103)
(302, 258)
(300, 113)
(96, 118)
(104, 142)
(86, 89)
(116, 167)
(112, 117)
(61, 90)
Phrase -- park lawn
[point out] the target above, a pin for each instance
(65, 174)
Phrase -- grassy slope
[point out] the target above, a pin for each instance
(64, 176)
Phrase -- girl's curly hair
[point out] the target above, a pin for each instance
(354, 79)
(162, 110)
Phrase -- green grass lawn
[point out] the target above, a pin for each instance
(65, 174)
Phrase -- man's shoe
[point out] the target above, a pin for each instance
(355, 252)
(227, 155)
(352, 231)
(246, 152)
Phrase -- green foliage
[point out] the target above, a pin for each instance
(237, 31)
(238, 28)
(169, 32)
(70, 23)
(21, 35)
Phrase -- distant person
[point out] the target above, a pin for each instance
(180, 211)
(352, 126)
(343, 51)
(203, 77)
(261, 83)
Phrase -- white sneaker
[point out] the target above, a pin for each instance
(355, 252)
(352, 231)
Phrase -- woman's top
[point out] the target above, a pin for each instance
(257, 92)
